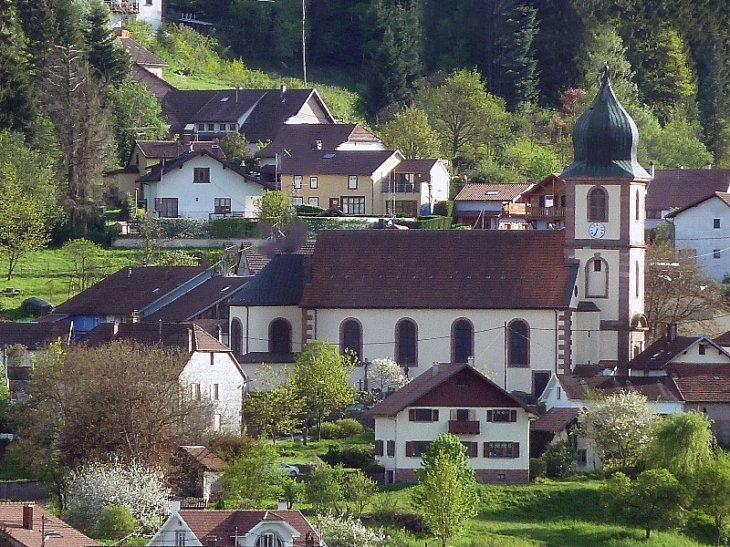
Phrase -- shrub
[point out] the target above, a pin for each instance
(434, 223)
(558, 460)
(233, 227)
(349, 427)
(355, 457)
(443, 208)
(538, 468)
(184, 227)
(115, 522)
(309, 210)
(329, 430)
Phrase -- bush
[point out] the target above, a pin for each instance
(443, 208)
(435, 223)
(184, 227)
(233, 227)
(329, 430)
(115, 523)
(354, 457)
(558, 460)
(309, 210)
(538, 468)
(348, 427)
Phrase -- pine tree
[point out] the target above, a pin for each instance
(109, 60)
(15, 109)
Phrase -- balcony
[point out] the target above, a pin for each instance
(123, 6)
(464, 427)
(401, 187)
(545, 212)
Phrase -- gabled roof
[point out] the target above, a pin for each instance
(661, 353)
(258, 357)
(34, 336)
(130, 289)
(340, 162)
(170, 150)
(280, 283)
(188, 337)
(420, 165)
(698, 383)
(209, 460)
(255, 259)
(549, 183)
(58, 532)
(491, 192)
(224, 524)
(301, 137)
(677, 188)
(724, 197)
(155, 85)
(555, 419)
(140, 54)
(203, 297)
(654, 388)
(436, 387)
(439, 269)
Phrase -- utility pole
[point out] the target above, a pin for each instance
(304, 44)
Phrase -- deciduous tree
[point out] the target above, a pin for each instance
(712, 493)
(275, 408)
(84, 256)
(325, 489)
(410, 132)
(384, 373)
(253, 478)
(447, 490)
(347, 531)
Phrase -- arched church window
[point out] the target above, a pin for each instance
(518, 343)
(406, 346)
(351, 337)
(280, 336)
(597, 205)
(462, 341)
(638, 206)
(597, 278)
(236, 341)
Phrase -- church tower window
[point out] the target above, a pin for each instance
(597, 205)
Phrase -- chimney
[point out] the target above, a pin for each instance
(190, 340)
(115, 329)
(186, 138)
(159, 329)
(219, 331)
(470, 361)
(708, 165)
(175, 507)
(435, 368)
(671, 332)
(237, 90)
(28, 516)
(283, 505)
(317, 144)
(282, 90)
(129, 273)
(135, 316)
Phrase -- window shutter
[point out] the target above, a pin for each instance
(412, 415)
(452, 414)
(473, 450)
(158, 205)
(409, 448)
(515, 450)
(513, 416)
(486, 450)
(489, 415)
(472, 414)
(378, 448)
(435, 415)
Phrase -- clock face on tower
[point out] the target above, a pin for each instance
(596, 230)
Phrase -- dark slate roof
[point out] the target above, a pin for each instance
(173, 335)
(169, 150)
(201, 298)
(722, 196)
(256, 258)
(140, 54)
(699, 383)
(300, 137)
(34, 336)
(419, 165)
(491, 192)
(659, 354)
(341, 162)
(436, 387)
(605, 140)
(258, 357)
(225, 524)
(155, 85)
(129, 289)
(654, 388)
(555, 419)
(439, 269)
(280, 283)
(677, 188)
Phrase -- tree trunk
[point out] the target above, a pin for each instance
(305, 432)
(648, 532)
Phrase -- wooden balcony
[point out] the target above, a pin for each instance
(464, 427)
(545, 212)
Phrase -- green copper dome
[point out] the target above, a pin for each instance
(605, 140)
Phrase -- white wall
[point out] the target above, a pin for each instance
(694, 229)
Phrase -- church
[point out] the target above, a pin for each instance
(517, 305)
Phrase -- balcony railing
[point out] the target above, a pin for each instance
(545, 212)
(464, 427)
(229, 214)
(401, 187)
(123, 6)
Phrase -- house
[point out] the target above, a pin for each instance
(199, 184)
(545, 203)
(417, 185)
(29, 525)
(211, 372)
(256, 113)
(149, 11)
(199, 473)
(457, 399)
(672, 189)
(154, 84)
(524, 304)
(702, 230)
(489, 206)
(241, 528)
(141, 56)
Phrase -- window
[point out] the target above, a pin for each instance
(414, 449)
(313, 182)
(462, 414)
(518, 344)
(314, 202)
(352, 182)
(501, 449)
(423, 415)
(391, 449)
(637, 206)
(502, 415)
(597, 205)
(195, 392)
(201, 174)
(211, 127)
(637, 279)
(236, 341)
(280, 336)
(232, 127)
(180, 539)
(214, 392)
(379, 448)
(597, 278)
(148, 2)
(166, 207)
(716, 223)
(582, 456)
(716, 253)
(405, 343)
(297, 201)
(297, 181)
(702, 349)
(597, 265)
(222, 205)
(222, 127)
(472, 448)
(351, 338)
(216, 422)
(539, 382)
(201, 127)
(353, 205)
(462, 341)
(268, 540)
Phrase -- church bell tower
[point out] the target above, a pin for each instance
(604, 234)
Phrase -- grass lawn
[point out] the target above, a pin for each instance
(295, 452)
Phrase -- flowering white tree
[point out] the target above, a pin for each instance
(350, 532)
(386, 373)
(131, 484)
(620, 427)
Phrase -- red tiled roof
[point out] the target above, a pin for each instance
(205, 457)
(169, 150)
(34, 335)
(129, 289)
(203, 297)
(58, 533)
(702, 383)
(140, 54)
(224, 524)
(675, 188)
(654, 388)
(439, 269)
(436, 387)
(300, 137)
(166, 334)
(341, 162)
(555, 419)
(490, 192)
(659, 354)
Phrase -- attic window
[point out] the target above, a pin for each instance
(328, 156)
(492, 192)
(224, 289)
(702, 348)
(224, 99)
(156, 290)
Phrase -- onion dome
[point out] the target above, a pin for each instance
(605, 140)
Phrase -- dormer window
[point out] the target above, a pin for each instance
(269, 540)
(702, 349)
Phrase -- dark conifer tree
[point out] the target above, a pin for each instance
(110, 62)
(15, 108)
